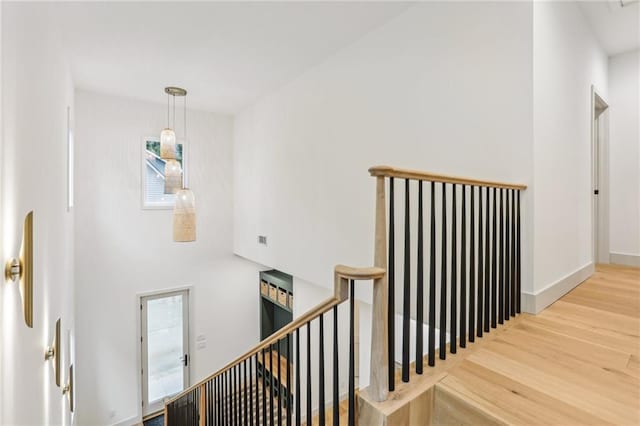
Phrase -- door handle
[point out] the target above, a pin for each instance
(185, 360)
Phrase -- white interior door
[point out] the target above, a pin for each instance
(600, 145)
(165, 347)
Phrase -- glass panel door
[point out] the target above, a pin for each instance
(165, 343)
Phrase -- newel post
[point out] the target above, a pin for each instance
(203, 407)
(379, 375)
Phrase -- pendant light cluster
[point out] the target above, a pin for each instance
(184, 210)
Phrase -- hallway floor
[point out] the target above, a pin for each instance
(577, 362)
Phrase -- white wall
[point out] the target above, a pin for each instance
(624, 149)
(37, 89)
(442, 87)
(122, 250)
(567, 60)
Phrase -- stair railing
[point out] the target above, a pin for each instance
(259, 388)
(472, 284)
(476, 280)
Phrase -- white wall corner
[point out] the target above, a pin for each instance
(625, 259)
(534, 303)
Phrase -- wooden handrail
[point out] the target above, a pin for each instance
(345, 272)
(351, 273)
(388, 171)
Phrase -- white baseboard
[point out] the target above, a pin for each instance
(625, 259)
(131, 421)
(536, 302)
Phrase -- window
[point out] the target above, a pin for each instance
(155, 191)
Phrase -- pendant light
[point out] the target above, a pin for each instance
(168, 135)
(172, 177)
(184, 209)
(184, 216)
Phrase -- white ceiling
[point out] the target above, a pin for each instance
(616, 28)
(225, 54)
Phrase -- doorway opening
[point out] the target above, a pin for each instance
(164, 321)
(600, 176)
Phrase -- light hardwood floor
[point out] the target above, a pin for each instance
(575, 363)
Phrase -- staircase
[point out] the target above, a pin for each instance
(454, 263)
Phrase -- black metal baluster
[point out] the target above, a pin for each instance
(454, 274)
(352, 386)
(271, 387)
(216, 386)
(443, 277)
(321, 411)
(472, 267)
(251, 390)
(309, 400)
(230, 395)
(501, 278)
(288, 380)
(420, 288)
(432, 279)
(494, 277)
(221, 400)
(259, 391)
(229, 418)
(217, 400)
(336, 376)
(211, 405)
(245, 409)
(298, 388)
(518, 254)
(236, 396)
(391, 310)
(507, 258)
(207, 404)
(513, 253)
(480, 264)
(264, 388)
(406, 298)
(463, 270)
(279, 389)
(487, 264)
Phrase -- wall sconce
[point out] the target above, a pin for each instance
(22, 269)
(53, 351)
(68, 388)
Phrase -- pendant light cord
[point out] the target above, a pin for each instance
(168, 122)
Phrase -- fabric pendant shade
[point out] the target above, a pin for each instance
(168, 144)
(184, 216)
(172, 177)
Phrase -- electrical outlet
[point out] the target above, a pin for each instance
(262, 239)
